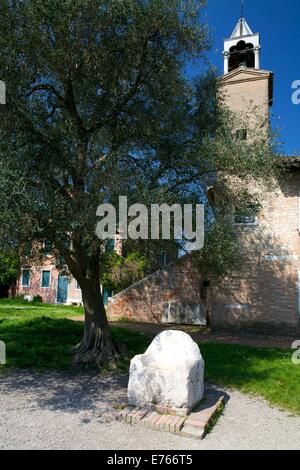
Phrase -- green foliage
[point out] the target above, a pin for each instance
(98, 106)
(151, 250)
(264, 372)
(215, 418)
(9, 268)
(38, 336)
(219, 254)
(86, 103)
(118, 273)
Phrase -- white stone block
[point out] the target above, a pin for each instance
(170, 373)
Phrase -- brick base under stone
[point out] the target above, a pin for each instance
(194, 425)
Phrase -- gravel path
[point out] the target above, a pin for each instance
(65, 411)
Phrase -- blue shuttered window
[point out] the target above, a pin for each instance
(46, 279)
(25, 277)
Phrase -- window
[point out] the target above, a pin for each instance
(241, 134)
(77, 285)
(163, 259)
(25, 277)
(245, 219)
(47, 247)
(45, 279)
(248, 216)
(204, 291)
(110, 246)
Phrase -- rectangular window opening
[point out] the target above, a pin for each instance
(25, 277)
(241, 134)
(247, 216)
(45, 279)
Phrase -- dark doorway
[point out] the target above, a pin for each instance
(4, 292)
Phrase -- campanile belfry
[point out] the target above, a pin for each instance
(246, 87)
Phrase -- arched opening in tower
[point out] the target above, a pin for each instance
(241, 55)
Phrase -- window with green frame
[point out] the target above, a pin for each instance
(25, 277)
(45, 279)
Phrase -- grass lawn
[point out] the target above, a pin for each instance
(39, 336)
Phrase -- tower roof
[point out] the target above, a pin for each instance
(242, 29)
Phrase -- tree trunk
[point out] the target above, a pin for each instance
(96, 345)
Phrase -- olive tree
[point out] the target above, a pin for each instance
(93, 87)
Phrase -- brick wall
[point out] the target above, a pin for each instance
(145, 301)
(247, 92)
(263, 295)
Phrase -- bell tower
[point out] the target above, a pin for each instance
(242, 49)
(245, 87)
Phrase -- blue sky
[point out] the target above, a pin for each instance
(279, 25)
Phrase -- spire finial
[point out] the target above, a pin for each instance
(242, 17)
(242, 8)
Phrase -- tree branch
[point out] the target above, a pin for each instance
(46, 87)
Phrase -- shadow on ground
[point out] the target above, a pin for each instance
(90, 394)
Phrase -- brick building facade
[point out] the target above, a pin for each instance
(263, 295)
(52, 283)
(47, 281)
(149, 299)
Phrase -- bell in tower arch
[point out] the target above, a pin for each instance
(241, 55)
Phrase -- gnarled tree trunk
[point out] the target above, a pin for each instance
(96, 345)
